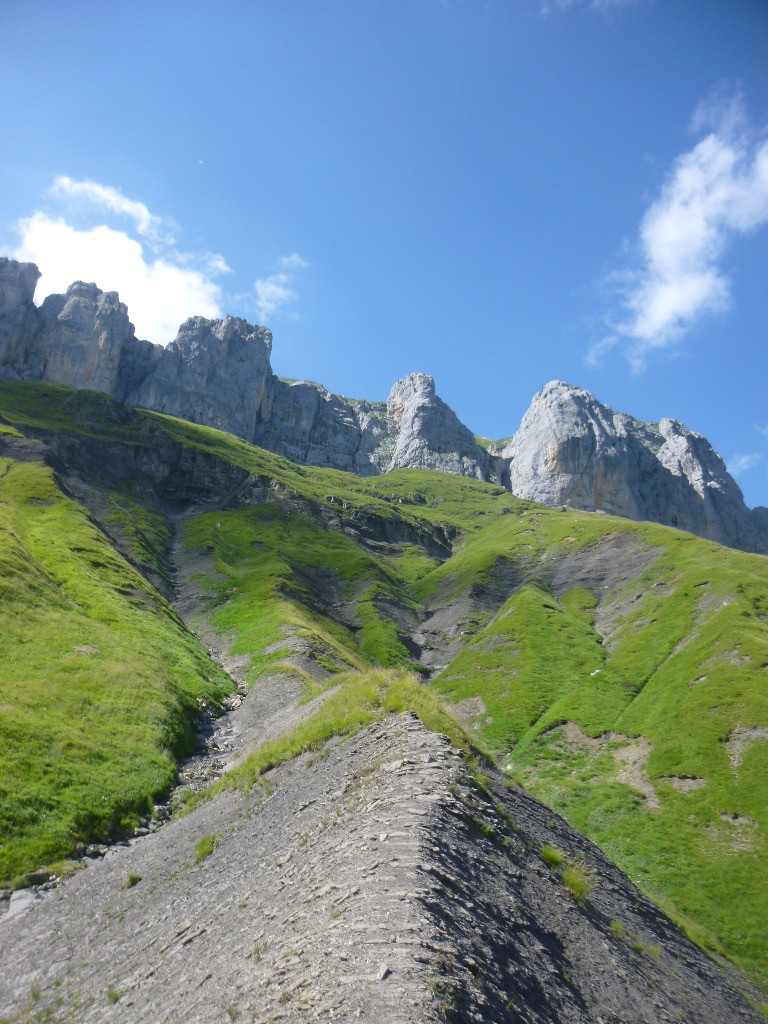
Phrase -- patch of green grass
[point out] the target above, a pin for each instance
(578, 882)
(99, 678)
(146, 531)
(113, 994)
(270, 567)
(131, 880)
(552, 857)
(205, 846)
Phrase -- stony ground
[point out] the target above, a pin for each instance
(374, 881)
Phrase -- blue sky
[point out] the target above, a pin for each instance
(497, 192)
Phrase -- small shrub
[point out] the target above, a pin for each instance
(205, 847)
(618, 929)
(131, 880)
(113, 994)
(636, 944)
(578, 882)
(551, 856)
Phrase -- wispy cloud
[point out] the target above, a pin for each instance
(713, 194)
(277, 290)
(293, 262)
(161, 290)
(739, 464)
(112, 199)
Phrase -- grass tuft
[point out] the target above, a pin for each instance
(205, 847)
(578, 882)
(552, 857)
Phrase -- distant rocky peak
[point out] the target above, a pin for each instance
(416, 388)
(200, 329)
(83, 305)
(573, 450)
(17, 282)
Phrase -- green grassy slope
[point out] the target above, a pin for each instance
(637, 709)
(98, 680)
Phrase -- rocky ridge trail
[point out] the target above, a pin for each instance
(374, 881)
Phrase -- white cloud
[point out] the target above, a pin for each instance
(161, 287)
(741, 463)
(714, 193)
(276, 290)
(160, 293)
(272, 292)
(293, 262)
(112, 199)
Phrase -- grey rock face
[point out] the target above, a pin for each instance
(429, 434)
(85, 334)
(312, 426)
(572, 450)
(216, 372)
(18, 320)
(415, 429)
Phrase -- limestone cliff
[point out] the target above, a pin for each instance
(216, 372)
(19, 321)
(429, 434)
(570, 449)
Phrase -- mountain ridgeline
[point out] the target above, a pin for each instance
(570, 449)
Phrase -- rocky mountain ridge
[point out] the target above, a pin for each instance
(613, 668)
(570, 449)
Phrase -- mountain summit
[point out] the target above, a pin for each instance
(570, 449)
